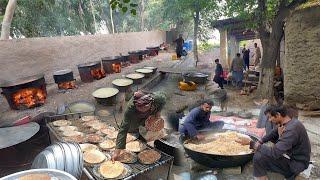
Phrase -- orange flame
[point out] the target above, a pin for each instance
(116, 67)
(67, 85)
(98, 73)
(29, 97)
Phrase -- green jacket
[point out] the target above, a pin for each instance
(133, 119)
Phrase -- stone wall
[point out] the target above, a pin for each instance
(26, 57)
(302, 58)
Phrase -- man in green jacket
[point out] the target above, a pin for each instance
(139, 108)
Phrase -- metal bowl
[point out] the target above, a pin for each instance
(51, 172)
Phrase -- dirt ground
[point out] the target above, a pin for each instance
(177, 98)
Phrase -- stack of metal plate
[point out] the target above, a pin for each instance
(62, 156)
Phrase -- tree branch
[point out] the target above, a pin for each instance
(295, 3)
(262, 29)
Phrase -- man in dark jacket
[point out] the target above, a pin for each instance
(197, 119)
(245, 55)
(179, 46)
(290, 154)
(218, 77)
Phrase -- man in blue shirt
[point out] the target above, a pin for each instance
(197, 119)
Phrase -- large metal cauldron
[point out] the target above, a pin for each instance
(199, 78)
(220, 161)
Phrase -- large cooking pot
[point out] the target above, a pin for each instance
(220, 161)
(199, 78)
(106, 96)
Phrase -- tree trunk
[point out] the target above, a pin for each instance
(7, 19)
(195, 35)
(111, 18)
(268, 64)
(142, 15)
(93, 16)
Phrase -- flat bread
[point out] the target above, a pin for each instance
(105, 92)
(88, 147)
(71, 133)
(91, 123)
(93, 157)
(111, 133)
(36, 176)
(135, 146)
(149, 156)
(88, 118)
(122, 82)
(107, 144)
(94, 138)
(110, 170)
(135, 76)
(154, 124)
(61, 123)
(126, 156)
(144, 71)
(130, 138)
(68, 128)
(77, 139)
(98, 126)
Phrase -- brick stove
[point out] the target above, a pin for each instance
(90, 71)
(64, 79)
(112, 64)
(24, 93)
(154, 51)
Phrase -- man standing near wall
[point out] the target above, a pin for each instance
(256, 55)
(236, 69)
(245, 55)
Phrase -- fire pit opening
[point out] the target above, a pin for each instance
(90, 71)
(125, 60)
(154, 51)
(64, 79)
(112, 64)
(26, 92)
(134, 57)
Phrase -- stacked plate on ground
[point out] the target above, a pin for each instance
(62, 156)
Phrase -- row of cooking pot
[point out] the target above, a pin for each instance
(107, 95)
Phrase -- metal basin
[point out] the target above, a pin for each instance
(220, 161)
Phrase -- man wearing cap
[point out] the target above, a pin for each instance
(141, 108)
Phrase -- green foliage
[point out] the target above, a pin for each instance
(124, 5)
(206, 46)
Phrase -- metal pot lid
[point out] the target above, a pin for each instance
(105, 92)
(90, 64)
(133, 52)
(109, 58)
(122, 82)
(144, 71)
(20, 81)
(196, 75)
(10, 136)
(62, 72)
(135, 76)
(156, 47)
(149, 67)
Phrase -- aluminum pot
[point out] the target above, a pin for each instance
(198, 78)
(106, 100)
(220, 161)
